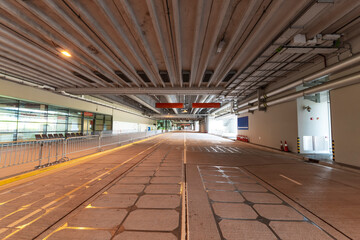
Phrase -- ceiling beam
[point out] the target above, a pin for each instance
(160, 38)
(170, 99)
(146, 91)
(146, 101)
(178, 116)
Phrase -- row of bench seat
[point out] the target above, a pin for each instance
(55, 135)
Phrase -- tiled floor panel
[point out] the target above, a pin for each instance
(251, 211)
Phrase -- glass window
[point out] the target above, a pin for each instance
(75, 113)
(31, 127)
(21, 120)
(26, 136)
(7, 137)
(8, 109)
(56, 119)
(8, 115)
(8, 126)
(32, 117)
(39, 109)
(52, 110)
(56, 127)
(74, 124)
(99, 127)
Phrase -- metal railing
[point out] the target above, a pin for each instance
(47, 152)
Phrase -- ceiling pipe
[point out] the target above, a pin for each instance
(262, 29)
(23, 82)
(128, 15)
(160, 38)
(177, 32)
(145, 91)
(208, 99)
(248, 12)
(29, 22)
(7, 77)
(29, 72)
(349, 62)
(222, 108)
(64, 15)
(200, 100)
(35, 55)
(335, 84)
(115, 24)
(135, 98)
(211, 41)
(169, 99)
(33, 64)
(225, 115)
(102, 104)
(203, 7)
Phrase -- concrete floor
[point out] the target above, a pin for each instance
(180, 185)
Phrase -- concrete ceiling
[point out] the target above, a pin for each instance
(146, 51)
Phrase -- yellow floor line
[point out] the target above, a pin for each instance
(64, 164)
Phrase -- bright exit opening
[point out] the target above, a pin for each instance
(225, 125)
(314, 126)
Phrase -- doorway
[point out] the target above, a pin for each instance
(314, 126)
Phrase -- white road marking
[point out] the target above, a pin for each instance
(291, 180)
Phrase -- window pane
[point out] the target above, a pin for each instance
(99, 127)
(39, 109)
(99, 116)
(75, 113)
(8, 115)
(52, 110)
(9, 104)
(74, 124)
(6, 137)
(26, 136)
(31, 127)
(32, 117)
(99, 122)
(8, 109)
(56, 127)
(56, 119)
(8, 126)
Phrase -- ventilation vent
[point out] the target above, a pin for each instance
(143, 76)
(164, 76)
(207, 76)
(83, 77)
(103, 77)
(186, 76)
(122, 76)
(229, 76)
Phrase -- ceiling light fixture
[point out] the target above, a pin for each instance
(65, 53)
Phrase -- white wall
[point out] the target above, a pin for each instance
(278, 123)
(345, 119)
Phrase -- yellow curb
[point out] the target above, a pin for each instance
(66, 164)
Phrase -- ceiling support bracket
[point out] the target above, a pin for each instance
(262, 99)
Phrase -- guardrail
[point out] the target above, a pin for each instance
(47, 152)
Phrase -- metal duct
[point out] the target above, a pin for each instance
(341, 82)
(326, 71)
